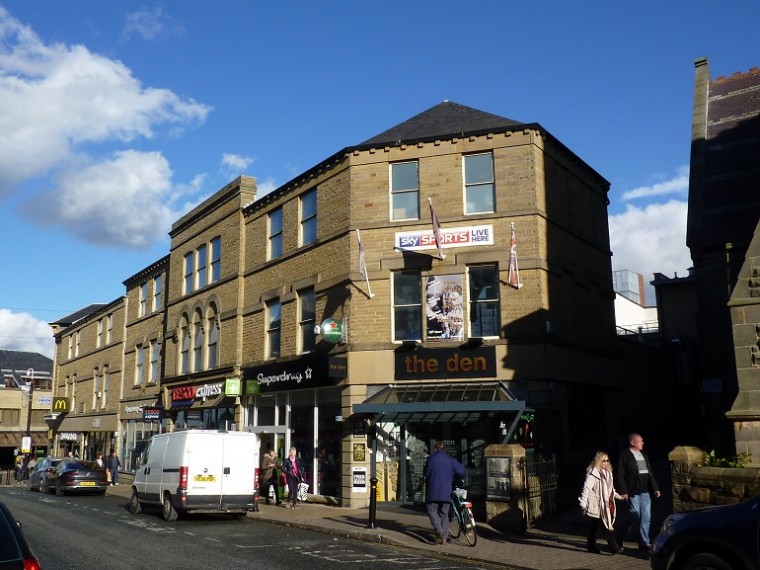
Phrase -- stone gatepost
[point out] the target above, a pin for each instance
(505, 487)
(682, 460)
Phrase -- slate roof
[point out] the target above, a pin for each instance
(78, 315)
(20, 360)
(441, 121)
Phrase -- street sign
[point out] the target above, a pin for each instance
(26, 444)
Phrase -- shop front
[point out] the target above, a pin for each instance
(449, 394)
(140, 420)
(297, 404)
(86, 435)
(202, 406)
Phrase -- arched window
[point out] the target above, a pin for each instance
(198, 341)
(184, 359)
(213, 339)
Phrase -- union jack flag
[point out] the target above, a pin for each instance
(513, 277)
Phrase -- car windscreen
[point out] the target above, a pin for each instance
(69, 465)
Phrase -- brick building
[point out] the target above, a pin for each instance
(273, 325)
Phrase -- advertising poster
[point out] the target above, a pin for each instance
(444, 308)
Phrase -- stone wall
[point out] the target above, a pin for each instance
(696, 486)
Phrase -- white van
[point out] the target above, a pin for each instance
(201, 471)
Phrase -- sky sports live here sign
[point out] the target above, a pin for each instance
(450, 237)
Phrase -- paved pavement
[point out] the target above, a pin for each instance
(559, 543)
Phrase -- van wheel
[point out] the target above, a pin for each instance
(134, 503)
(169, 512)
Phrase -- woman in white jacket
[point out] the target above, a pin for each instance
(598, 502)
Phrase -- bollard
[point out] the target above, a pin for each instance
(372, 502)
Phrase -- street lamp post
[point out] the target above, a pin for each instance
(30, 373)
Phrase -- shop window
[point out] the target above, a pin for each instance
(479, 183)
(275, 233)
(273, 329)
(309, 217)
(142, 307)
(139, 365)
(484, 301)
(213, 342)
(405, 194)
(198, 338)
(158, 294)
(407, 306)
(201, 266)
(307, 319)
(184, 360)
(216, 260)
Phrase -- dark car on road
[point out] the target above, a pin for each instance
(15, 553)
(38, 478)
(73, 476)
(715, 538)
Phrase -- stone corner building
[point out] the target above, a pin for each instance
(724, 209)
(330, 339)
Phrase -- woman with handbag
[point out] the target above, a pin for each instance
(293, 469)
(597, 501)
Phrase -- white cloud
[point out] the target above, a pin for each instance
(265, 187)
(651, 240)
(21, 331)
(233, 165)
(56, 99)
(150, 24)
(121, 201)
(677, 185)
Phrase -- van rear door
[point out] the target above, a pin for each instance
(241, 459)
(203, 457)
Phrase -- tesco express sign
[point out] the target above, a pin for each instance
(186, 393)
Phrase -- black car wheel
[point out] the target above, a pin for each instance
(706, 561)
(134, 503)
(169, 512)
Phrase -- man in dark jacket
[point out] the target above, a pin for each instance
(635, 481)
(439, 476)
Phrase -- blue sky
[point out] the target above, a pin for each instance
(117, 117)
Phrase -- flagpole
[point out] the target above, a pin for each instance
(361, 264)
(436, 230)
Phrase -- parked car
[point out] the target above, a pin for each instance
(38, 479)
(74, 476)
(714, 538)
(14, 550)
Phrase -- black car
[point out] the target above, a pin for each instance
(72, 476)
(714, 538)
(14, 550)
(38, 478)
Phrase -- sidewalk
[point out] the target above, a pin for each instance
(560, 543)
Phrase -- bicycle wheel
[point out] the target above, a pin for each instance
(454, 527)
(470, 530)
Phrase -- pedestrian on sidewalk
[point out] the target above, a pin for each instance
(636, 483)
(293, 469)
(597, 502)
(113, 467)
(269, 477)
(439, 477)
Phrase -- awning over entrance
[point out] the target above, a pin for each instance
(461, 402)
(13, 439)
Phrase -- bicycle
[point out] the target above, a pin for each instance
(461, 519)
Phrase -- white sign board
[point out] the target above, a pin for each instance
(360, 482)
(26, 444)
